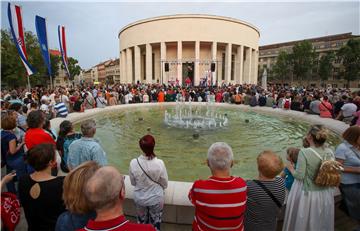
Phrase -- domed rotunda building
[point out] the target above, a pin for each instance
(179, 48)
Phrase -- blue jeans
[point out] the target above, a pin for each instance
(351, 195)
(16, 163)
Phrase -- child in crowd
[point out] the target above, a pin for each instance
(291, 155)
(266, 194)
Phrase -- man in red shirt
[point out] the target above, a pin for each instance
(36, 134)
(105, 190)
(219, 201)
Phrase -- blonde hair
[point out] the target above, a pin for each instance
(319, 134)
(74, 186)
(269, 164)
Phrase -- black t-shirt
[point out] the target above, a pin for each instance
(42, 213)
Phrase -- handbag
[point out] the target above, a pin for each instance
(137, 159)
(329, 172)
(10, 211)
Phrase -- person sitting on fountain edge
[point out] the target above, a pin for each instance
(219, 201)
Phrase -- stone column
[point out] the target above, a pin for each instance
(247, 66)
(163, 74)
(196, 63)
(255, 66)
(123, 67)
(213, 59)
(129, 70)
(240, 64)
(148, 63)
(179, 62)
(228, 63)
(137, 60)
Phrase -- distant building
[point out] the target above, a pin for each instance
(112, 71)
(268, 55)
(87, 76)
(170, 49)
(61, 79)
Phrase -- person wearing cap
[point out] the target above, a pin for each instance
(149, 176)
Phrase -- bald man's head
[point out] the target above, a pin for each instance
(103, 188)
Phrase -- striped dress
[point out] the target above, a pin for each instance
(219, 203)
(262, 211)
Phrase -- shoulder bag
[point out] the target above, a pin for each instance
(268, 192)
(137, 159)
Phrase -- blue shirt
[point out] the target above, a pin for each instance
(71, 221)
(289, 179)
(85, 149)
(347, 152)
(61, 110)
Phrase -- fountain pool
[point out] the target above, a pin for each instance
(184, 150)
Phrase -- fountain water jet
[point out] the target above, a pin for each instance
(184, 117)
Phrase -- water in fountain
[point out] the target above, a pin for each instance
(185, 116)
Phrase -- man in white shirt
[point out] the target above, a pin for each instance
(347, 111)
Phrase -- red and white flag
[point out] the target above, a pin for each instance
(62, 43)
(16, 29)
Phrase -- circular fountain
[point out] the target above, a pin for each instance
(183, 148)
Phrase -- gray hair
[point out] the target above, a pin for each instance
(87, 127)
(103, 188)
(220, 156)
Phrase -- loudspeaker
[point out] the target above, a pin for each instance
(212, 67)
(166, 67)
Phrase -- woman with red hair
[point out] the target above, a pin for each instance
(149, 176)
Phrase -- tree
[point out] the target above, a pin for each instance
(350, 55)
(325, 65)
(282, 67)
(13, 71)
(303, 58)
(74, 67)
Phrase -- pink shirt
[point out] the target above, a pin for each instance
(325, 109)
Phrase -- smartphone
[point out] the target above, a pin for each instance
(13, 172)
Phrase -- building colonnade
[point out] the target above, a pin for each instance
(163, 62)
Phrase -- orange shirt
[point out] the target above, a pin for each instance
(161, 97)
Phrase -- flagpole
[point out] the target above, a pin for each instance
(29, 86)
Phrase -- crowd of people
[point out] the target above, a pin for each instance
(340, 104)
(63, 180)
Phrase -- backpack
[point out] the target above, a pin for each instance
(329, 172)
(287, 104)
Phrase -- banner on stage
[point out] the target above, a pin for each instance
(40, 24)
(17, 32)
(62, 43)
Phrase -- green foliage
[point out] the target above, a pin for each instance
(303, 58)
(325, 65)
(13, 72)
(74, 67)
(350, 55)
(282, 67)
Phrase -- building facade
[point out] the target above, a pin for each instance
(61, 79)
(112, 71)
(200, 48)
(322, 45)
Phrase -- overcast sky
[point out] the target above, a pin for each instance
(92, 27)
